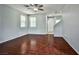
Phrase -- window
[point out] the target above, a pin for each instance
(22, 21)
(32, 21)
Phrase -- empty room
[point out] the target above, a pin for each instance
(39, 29)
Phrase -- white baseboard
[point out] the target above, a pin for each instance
(57, 35)
(40, 33)
(12, 38)
(65, 37)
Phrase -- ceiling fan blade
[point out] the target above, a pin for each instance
(40, 5)
(36, 5)
(31, 5)
(26, 5)
(41, 9)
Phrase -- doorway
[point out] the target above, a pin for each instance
(50, 25)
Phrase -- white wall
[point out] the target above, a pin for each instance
(0, 28)
(10, 23)
(1, 33)
(40, 25)
(58, 29)
(71, 25)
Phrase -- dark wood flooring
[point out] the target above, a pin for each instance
(36, 45)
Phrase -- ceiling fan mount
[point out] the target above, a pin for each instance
(35, 7)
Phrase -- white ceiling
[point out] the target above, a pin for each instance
(48, 8)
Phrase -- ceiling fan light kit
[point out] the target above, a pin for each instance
(35, 7)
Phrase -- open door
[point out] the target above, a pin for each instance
(50, 25)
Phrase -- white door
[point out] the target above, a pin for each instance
(50, 25)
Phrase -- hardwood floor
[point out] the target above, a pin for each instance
(36, 45)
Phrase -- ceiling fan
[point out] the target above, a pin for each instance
(35, 7)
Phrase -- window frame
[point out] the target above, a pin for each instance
(30, 22)
(21, 21)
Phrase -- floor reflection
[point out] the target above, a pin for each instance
(33, 44)
(24, 47)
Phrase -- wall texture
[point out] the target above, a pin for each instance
(10, 23)
(71, 25)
